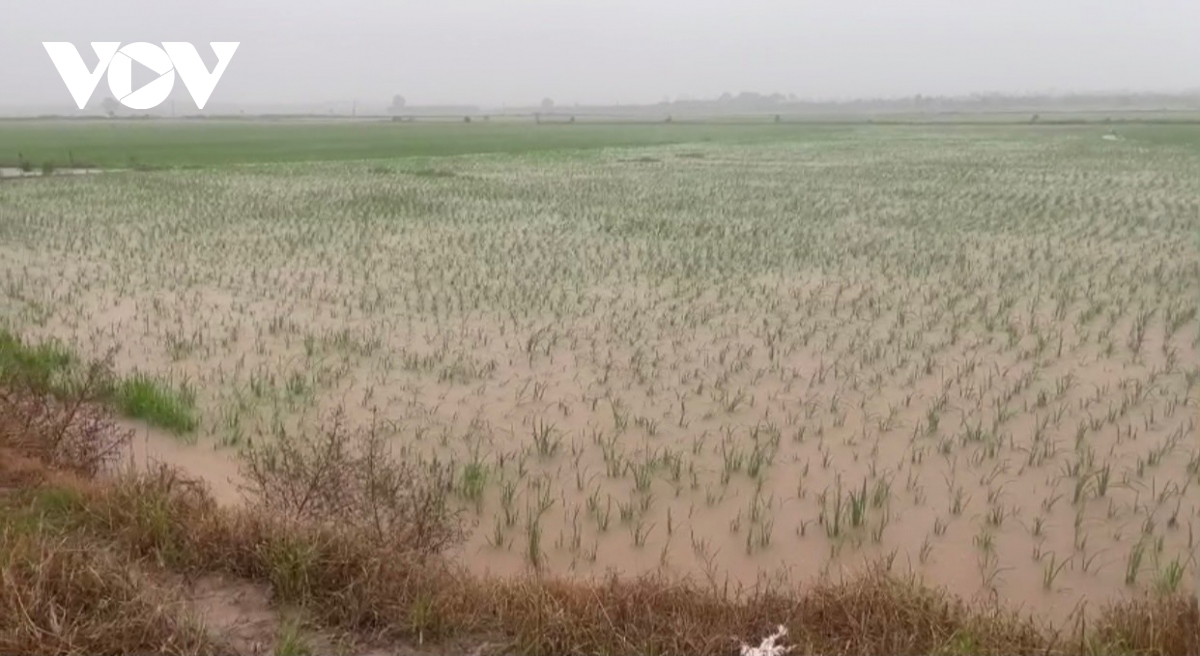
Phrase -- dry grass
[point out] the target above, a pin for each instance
(1150, 625)
(375, 573)
(872, 613)
(62, 592)
(59, 595)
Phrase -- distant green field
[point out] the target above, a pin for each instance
(192, 144)
(1179, 135)
(127, 144)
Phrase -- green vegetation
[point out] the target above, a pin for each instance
(50, 367)
(133, 144)
(45, 366)
(142, 145)
(143, 397)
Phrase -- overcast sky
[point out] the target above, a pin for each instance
(495, 52)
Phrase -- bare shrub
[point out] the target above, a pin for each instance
(349, 478)
(71, 431)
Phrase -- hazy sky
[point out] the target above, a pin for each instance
(496, 52)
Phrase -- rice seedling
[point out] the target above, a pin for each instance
(1051, 569)
(1133, 562)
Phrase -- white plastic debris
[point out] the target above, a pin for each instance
(768, 647)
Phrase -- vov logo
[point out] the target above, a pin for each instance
(118, 61)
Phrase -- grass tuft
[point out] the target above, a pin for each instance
(157, 403)
(43, 367)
